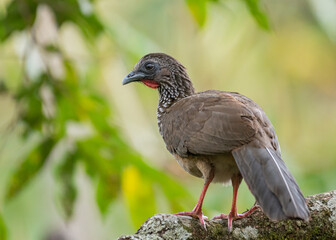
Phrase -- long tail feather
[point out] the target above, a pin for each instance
(271, 183)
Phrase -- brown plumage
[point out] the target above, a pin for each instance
(220, 136)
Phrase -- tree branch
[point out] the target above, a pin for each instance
(322, 225)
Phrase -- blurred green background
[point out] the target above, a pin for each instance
(81, 156)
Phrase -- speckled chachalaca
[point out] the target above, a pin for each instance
(220, 136)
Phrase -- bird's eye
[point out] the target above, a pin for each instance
(149, 66)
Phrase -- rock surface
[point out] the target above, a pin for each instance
(322, 225)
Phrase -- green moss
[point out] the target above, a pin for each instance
(218, 231)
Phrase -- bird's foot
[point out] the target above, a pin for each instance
(233, 215)
(230, 217)
(248, 212)
(194, 214)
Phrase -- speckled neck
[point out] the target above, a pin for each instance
(171, 90)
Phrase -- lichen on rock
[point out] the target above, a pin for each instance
(332, 207)
(322, 225)
(246, 233)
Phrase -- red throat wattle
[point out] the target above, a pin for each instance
(150, 83)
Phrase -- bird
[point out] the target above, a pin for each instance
(220, 136)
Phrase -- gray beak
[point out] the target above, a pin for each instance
(132, 77)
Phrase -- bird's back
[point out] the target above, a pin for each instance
(214, 122)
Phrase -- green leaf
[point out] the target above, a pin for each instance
(107, 190)
(198, 10)
(29, 168)
(101, 165)
(30, 103)
(70, 10)
(3, 87)
(95, 158)
(3, 230)
(257, 13)
(31, 113)
(52, 48)
(19, 15)
(65, 175)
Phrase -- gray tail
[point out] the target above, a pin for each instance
(271, 183)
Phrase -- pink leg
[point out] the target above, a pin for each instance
(197, 211)
(236, 180)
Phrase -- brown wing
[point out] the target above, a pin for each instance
(208, 123)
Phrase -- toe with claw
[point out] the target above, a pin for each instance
(195, 214)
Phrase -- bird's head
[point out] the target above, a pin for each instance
(159, 70)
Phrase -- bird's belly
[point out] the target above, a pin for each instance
(200, 166)
(225, 167)
(189, 165)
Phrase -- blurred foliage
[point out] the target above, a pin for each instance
(21, 15)
(104, 153)
(137, 192)
(257, 13)
(49, 104)
(3, 231)
(198, 8)
(68, 121)
(30, 167)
